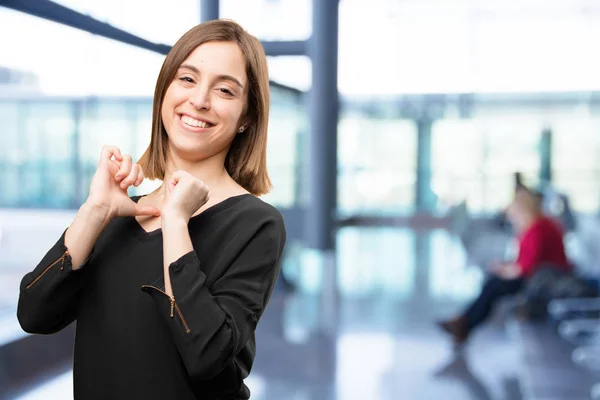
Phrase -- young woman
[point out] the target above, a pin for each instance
(167, 288)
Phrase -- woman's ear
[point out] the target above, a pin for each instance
(244, 125)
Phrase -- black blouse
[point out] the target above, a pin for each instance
(133, 340)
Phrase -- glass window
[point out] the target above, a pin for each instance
(376, 165)
(483, 46)
(291, 71)
(11, 157)
(66, 61)
(39, 154)
(271, 20)
(424, 38)
(476, 159)
(575, 161)
(49, 147)
(172, 19)
(287, 128)
(455, 175)
(511, 144)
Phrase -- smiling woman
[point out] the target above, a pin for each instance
(167, 288)
(206, 78)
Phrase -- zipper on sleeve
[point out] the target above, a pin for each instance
(174, 307)
(62, 267)
(185, 325)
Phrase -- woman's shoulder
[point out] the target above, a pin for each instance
(242, 216)
(256, 208)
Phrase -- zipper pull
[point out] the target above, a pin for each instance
(172, 305)
(64, 257)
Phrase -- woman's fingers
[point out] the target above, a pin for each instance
(125, 168)
(140, 178)
(147, 210)
(132, 177)
(108, 152)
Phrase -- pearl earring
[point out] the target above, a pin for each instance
(241, 129)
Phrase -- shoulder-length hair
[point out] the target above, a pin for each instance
(246, 161)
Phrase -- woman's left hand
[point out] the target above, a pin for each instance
(508, 272)
(185, 195)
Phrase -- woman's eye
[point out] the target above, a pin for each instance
(226, 91)
(186, 79)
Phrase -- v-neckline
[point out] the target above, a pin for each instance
(143, 234)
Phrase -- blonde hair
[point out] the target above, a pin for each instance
(246, 160)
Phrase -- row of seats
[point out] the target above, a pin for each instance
(561, 354)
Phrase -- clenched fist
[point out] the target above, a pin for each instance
(108, 190)
(185, 194)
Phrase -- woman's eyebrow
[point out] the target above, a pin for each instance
(220, 77)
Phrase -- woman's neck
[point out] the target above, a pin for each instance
(210, 170)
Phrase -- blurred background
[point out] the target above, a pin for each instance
(396, 130)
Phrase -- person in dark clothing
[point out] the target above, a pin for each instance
(167, 288)
(540, 243)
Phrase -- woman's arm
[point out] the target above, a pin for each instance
(211, 325)
(176, 244)
(49, 293)
(84, 231)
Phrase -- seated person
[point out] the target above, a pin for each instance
(540, 243)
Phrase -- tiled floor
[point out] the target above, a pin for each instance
(382, 350)
(378, 340)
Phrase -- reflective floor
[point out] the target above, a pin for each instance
(376, 339)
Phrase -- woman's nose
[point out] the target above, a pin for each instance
(200, 100)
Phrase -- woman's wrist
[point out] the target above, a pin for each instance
(96, 214)
(169, 220)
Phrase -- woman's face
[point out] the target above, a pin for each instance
(515, 214)
(204, 104)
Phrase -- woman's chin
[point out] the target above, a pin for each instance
(189, 149)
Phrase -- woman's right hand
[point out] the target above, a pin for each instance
(108, 190)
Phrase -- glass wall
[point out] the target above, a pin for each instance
(475, 159)
(271, 20)
(49, 147)
(288, 125)
(576, 160)
(490, 46)
(376, 165)
(68, 62)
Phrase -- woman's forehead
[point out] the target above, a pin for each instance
(218, 58)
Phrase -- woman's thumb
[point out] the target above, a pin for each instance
(147, 210)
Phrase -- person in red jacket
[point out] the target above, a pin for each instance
(540, 243)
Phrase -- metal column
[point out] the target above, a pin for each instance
(209, 10)
(546, 157)
(323, 114)
(424, 200)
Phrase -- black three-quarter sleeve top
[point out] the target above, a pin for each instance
(135, 342)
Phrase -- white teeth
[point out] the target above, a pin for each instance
(193, 122)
